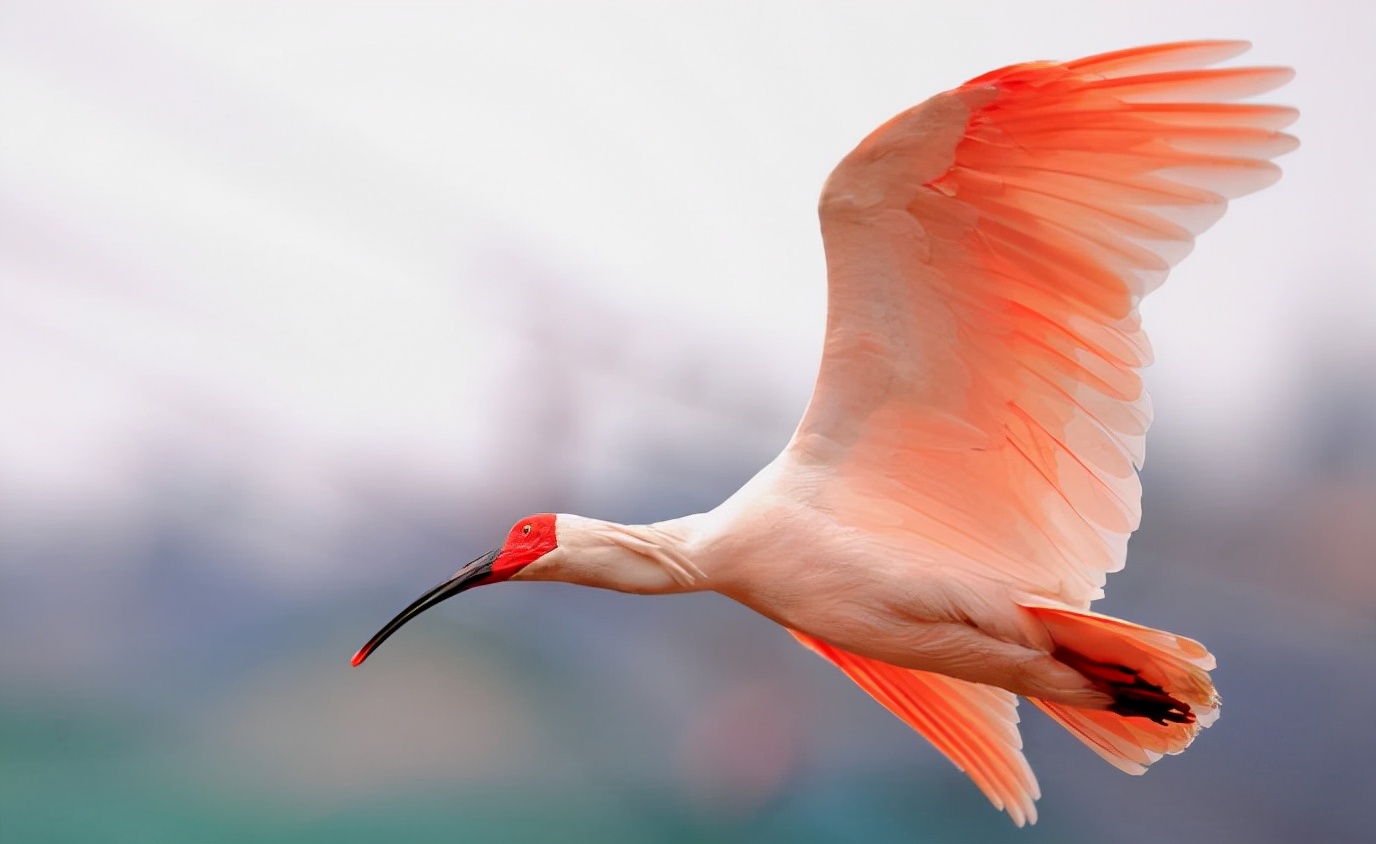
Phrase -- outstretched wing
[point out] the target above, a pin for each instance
(975, 726)
(986, 252)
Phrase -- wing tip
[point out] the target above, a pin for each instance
(1165, 56)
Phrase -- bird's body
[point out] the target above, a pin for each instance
(774, 546)
(965, 474)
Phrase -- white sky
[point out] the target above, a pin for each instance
(274, 235)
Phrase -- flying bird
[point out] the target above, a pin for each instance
(965, 475)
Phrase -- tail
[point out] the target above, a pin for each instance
(1162, 695)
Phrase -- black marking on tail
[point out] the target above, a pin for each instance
(1133, 696)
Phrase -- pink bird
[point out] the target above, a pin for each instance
(966, 473)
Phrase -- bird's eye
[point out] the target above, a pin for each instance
(525, 531)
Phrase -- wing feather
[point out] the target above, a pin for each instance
(975, 726)
(987, 253)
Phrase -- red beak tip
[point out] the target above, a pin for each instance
(359, 657)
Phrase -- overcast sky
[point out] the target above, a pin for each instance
(300, 233)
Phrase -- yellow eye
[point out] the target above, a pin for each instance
(525, 531)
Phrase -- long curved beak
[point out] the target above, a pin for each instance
(469, 576)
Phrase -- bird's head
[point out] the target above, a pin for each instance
(644, 559)
(529, 540)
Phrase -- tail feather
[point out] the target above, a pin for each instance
(1162, 694)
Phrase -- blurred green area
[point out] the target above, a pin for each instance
(621, 719)
(84, 773)
(154, 687)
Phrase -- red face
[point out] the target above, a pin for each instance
(530, 539)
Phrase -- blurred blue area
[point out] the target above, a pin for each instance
(277, 354)
(215, 709)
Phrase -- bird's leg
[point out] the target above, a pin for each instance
(1132, 695)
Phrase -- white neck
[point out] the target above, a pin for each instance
(644, 559)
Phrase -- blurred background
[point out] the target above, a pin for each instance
(303, 304)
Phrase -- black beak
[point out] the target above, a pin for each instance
(469, 576)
